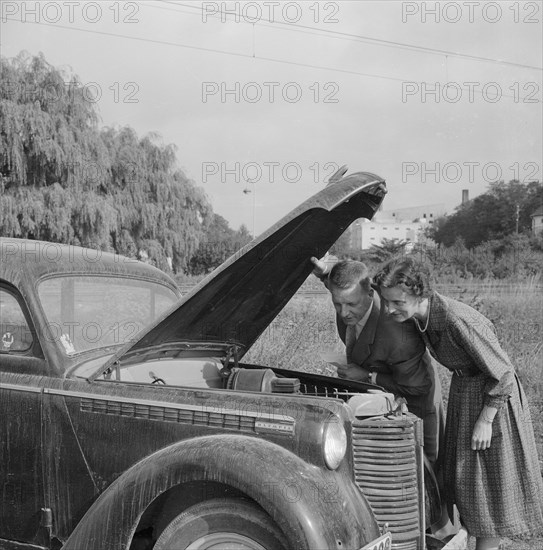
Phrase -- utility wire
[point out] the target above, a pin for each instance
(211, 50)
(236, 54)
(295, 27)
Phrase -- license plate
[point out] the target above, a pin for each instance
(384, 542)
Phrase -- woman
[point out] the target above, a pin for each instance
(491, 467)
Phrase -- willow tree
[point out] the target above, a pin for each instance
(65, 180)
(220, 243)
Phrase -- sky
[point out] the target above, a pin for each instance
(264, 100)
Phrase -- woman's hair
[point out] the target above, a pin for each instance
(406, 272)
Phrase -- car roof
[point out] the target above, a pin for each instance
(25, 260)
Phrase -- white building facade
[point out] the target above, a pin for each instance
(404, 224)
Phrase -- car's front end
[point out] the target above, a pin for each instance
(134, 435)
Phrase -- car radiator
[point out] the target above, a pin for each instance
(387, 459)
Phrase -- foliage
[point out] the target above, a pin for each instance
(386, 250)
(492, 215)
(48, 124)
(62, 179)
(220, 243)
(513, 257)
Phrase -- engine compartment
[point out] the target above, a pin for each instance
(365, 400)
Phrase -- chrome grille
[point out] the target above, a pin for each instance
(387, 464)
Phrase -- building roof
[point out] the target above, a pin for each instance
(538, 212)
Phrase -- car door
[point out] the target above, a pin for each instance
(21, 370)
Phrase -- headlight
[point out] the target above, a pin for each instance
(334, 442)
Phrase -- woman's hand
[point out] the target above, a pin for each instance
(482, 432)
(482, 435)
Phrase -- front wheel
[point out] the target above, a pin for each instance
(222, 524)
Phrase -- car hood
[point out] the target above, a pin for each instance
(237, 301)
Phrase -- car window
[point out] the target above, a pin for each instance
(15, 334)
(88, 312)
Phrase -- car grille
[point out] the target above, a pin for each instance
(387, 460)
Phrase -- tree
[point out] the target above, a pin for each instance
(220, 243)
(503, 210)
(63, 179)
(388, 249)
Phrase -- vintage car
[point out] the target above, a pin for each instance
(128, 419)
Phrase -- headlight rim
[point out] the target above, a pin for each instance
(334, 442)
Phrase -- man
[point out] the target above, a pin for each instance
(381, 351)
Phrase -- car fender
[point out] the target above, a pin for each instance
(315, 507)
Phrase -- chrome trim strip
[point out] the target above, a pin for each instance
(210, 409)
(18, 387)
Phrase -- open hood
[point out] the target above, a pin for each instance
(237, 301)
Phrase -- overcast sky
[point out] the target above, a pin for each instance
(270, 97)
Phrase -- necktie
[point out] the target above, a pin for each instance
(350, 340)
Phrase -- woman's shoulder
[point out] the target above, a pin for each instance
(453, 312)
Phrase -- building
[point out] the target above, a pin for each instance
(425, 212)
(405, 224)
(365, 233)
(537, 221)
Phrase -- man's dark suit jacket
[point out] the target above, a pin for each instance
(396, 352)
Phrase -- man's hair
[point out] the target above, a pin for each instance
(348, 273)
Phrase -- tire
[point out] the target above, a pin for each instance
(222, 524)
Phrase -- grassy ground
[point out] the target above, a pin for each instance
(306, 328)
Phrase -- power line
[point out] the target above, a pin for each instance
(295, 27)
(236, 54)
(213, 50)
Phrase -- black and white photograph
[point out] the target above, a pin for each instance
(271, 275)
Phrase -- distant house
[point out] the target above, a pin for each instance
(405, 224)
(537, 221)
(365, 233)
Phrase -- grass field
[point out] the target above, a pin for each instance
(306, 328)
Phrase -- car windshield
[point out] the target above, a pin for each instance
(88, 312)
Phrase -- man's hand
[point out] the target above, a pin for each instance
(324, 265)
(320, 268)
(352, 371)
